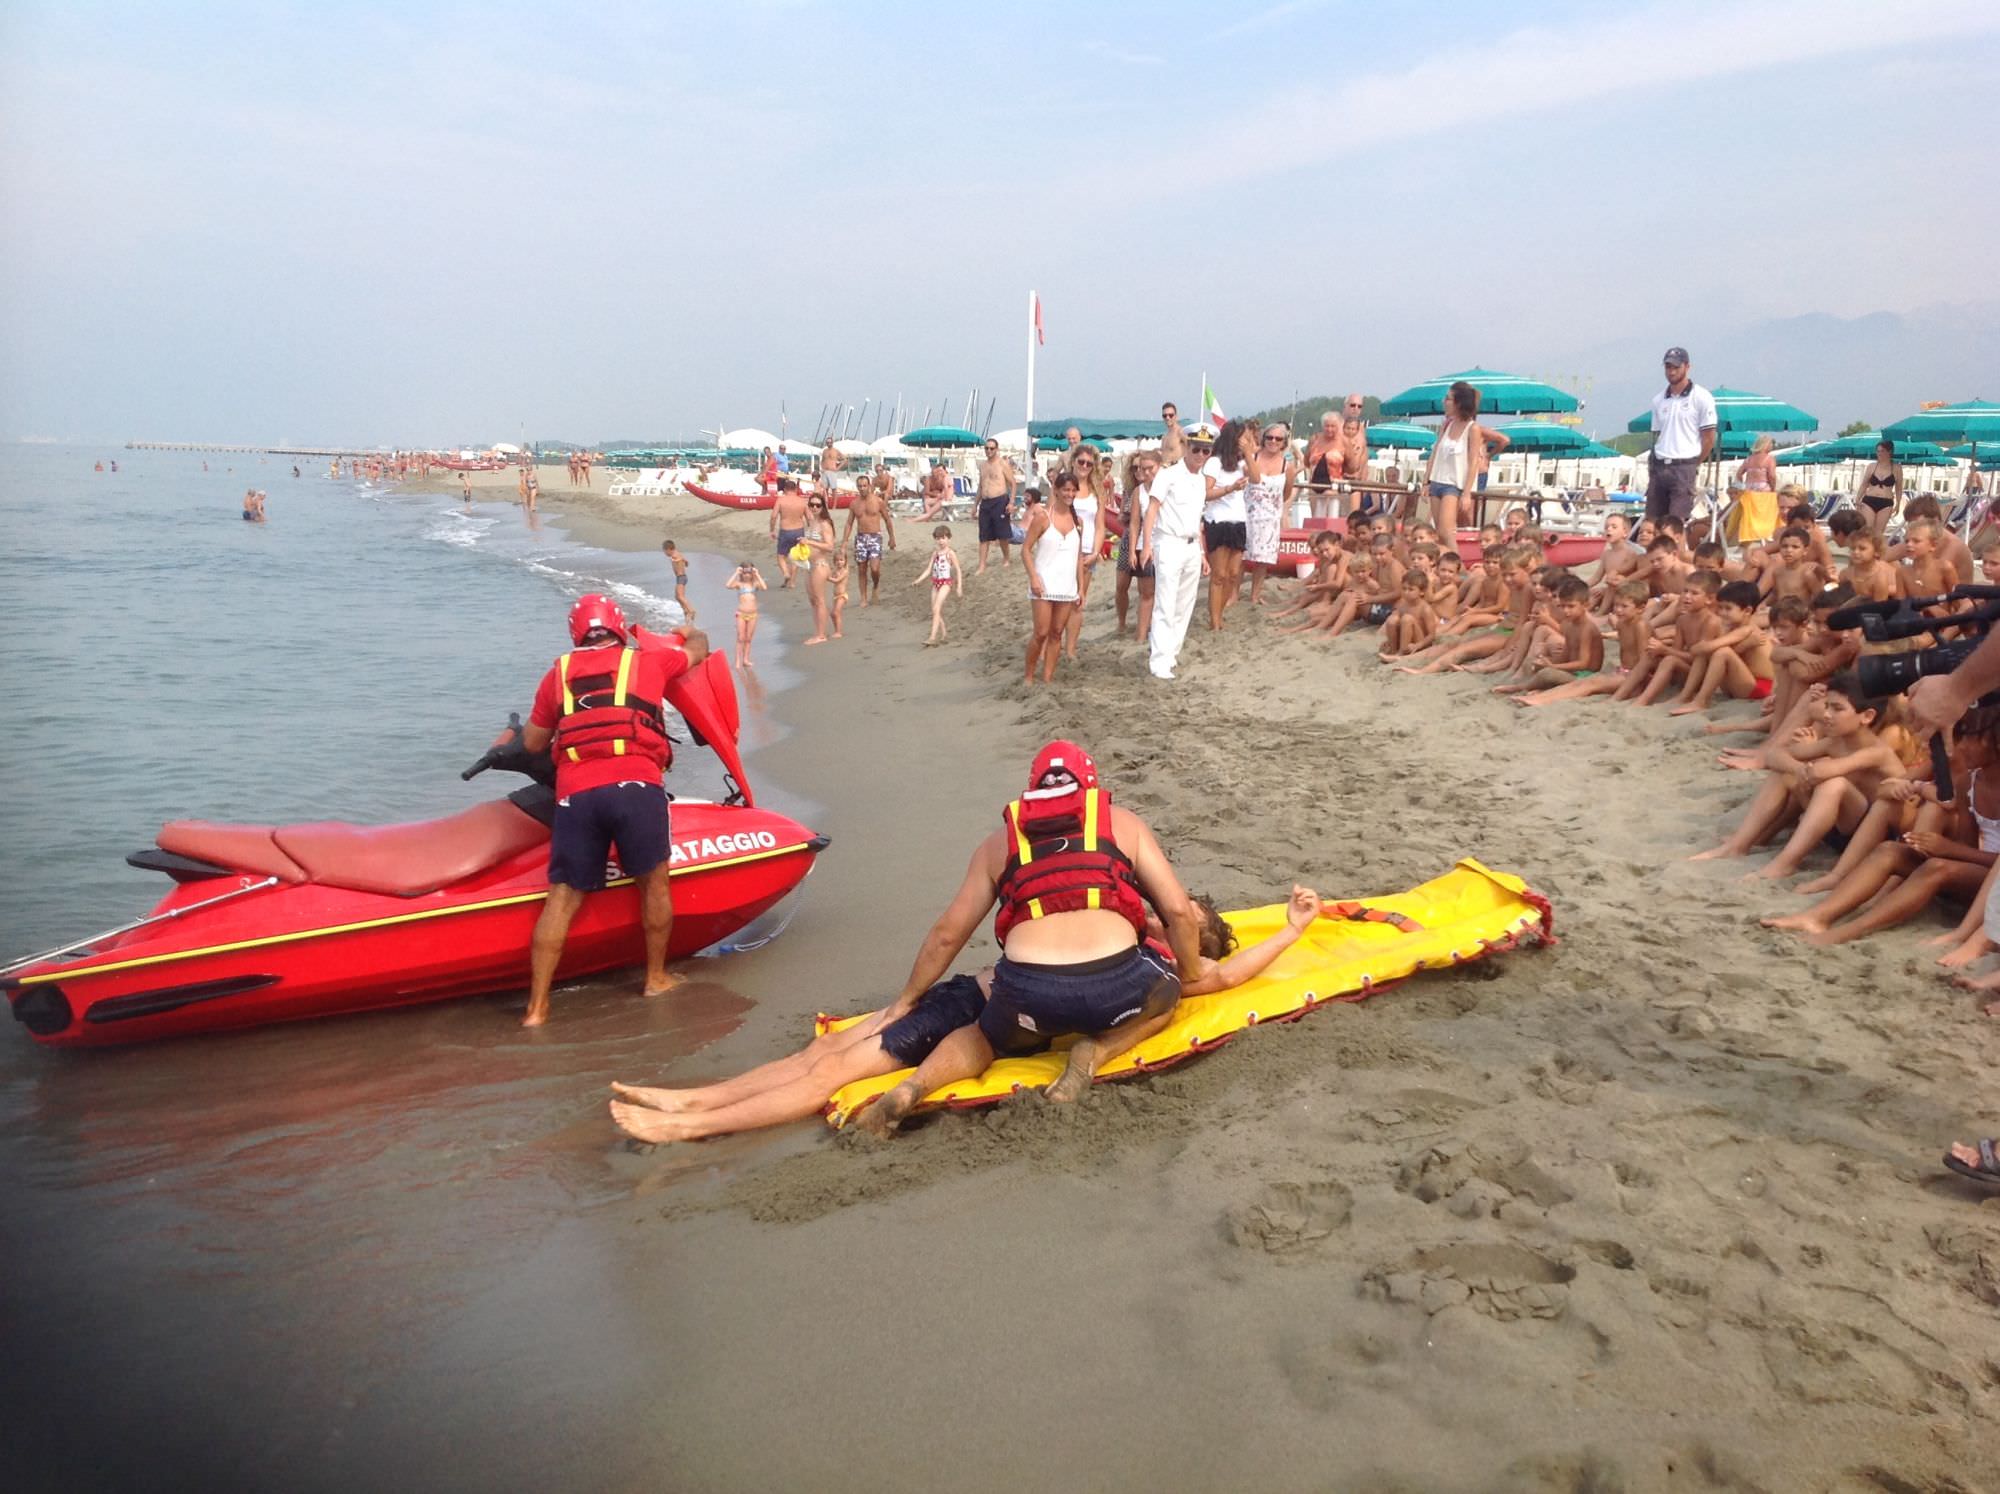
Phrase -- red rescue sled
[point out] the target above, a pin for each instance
(278, 923)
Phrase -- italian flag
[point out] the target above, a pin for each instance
(1211, 407)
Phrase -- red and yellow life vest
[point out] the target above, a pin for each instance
(1064, 858)
(604, 714)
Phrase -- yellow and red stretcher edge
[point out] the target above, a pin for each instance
(1352, 951)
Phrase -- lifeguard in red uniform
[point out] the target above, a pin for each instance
(602, 707)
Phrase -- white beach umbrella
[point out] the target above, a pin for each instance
(504, 449)
(793, 446)
(749, 438)
(848, 446)
(889, 446)
(1014, 440)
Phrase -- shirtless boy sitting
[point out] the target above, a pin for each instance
(1796, 574)
(1627, 611)
(1616, 564)
(1670, 651)
(1568, 646)
(1826, 782)
(1737, 660)
(1413, 623)
(1321, 587)
(1871, 576)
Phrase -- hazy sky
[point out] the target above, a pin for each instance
(425, 223)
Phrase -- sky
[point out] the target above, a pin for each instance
(432, 224)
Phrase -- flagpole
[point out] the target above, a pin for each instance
(1031, 379)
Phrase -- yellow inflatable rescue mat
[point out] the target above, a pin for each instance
(1353, 950)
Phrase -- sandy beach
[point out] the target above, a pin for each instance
(1657, 1208)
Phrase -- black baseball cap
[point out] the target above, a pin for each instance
(1676, 355)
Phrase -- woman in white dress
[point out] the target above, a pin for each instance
(1053, 552)
(1272, 477)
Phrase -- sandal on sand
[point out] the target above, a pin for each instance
(1988, 1170)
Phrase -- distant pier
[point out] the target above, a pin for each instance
(298, 451)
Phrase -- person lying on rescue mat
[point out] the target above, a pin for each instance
(602, 705)
(800, 1085)
(1072, 876)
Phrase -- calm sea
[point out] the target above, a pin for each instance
(215, 1246)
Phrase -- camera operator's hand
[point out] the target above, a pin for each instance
(1935, 704)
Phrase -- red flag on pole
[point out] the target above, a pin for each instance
(1038, 318)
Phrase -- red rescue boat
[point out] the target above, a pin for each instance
(753, 502)
(1295, 545)
(279, 923)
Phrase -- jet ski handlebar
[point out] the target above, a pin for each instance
(509, 756)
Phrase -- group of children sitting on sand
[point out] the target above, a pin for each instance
(1661, 618)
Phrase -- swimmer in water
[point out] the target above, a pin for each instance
(253, 506)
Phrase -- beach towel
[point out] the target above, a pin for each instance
(1352, 951)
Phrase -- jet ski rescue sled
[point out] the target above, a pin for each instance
(279, 923)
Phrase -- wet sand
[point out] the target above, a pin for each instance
(1658, 1208)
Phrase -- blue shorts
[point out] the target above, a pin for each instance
(1444, 490)
(1032, 1005)
(952, 1003)
(631, 816)
(786, 539)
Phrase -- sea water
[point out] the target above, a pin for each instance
(273, 1217)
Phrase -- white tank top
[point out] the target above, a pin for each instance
(1085, 510)
(1056, 556)
(1989, 829)
(1449, 468)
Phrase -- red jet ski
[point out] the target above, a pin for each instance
(278, 923)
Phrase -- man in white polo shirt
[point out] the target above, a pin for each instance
(1173, 549)
(1683, 436)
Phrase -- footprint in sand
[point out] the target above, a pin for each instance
(1505, 1282)
(1290, 1217)
(1480, 1180)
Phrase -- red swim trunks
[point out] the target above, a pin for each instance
(1763, 688)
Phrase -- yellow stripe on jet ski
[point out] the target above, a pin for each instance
(78, 972)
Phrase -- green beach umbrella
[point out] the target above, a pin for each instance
(1861, 447)
(1968, 420)
(1499, 394)
(1400, 435)
(1100, 430)
(1544, 438)
(1740, 410)
(1811, 454)
(1985, 456)
(943, 437)
(1057, 443)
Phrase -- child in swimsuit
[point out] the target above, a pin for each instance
(746, 583)
(679, 562)
(943, 573)
(842, 563)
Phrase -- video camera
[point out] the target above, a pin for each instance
(1903, 617)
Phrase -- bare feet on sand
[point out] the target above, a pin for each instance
(668, 1100)
(646, 1125)
(1076, 1075)
(881, 1119)
(1796, 923)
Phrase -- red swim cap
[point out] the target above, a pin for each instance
(1060, 768)
(594, 612)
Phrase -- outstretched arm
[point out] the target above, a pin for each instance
(1248, 964)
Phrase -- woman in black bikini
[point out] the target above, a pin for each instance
(1881, 486)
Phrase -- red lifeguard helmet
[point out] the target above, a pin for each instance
(594, 612)
(1059, 769)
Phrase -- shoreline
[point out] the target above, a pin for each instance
(1666, 1131)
